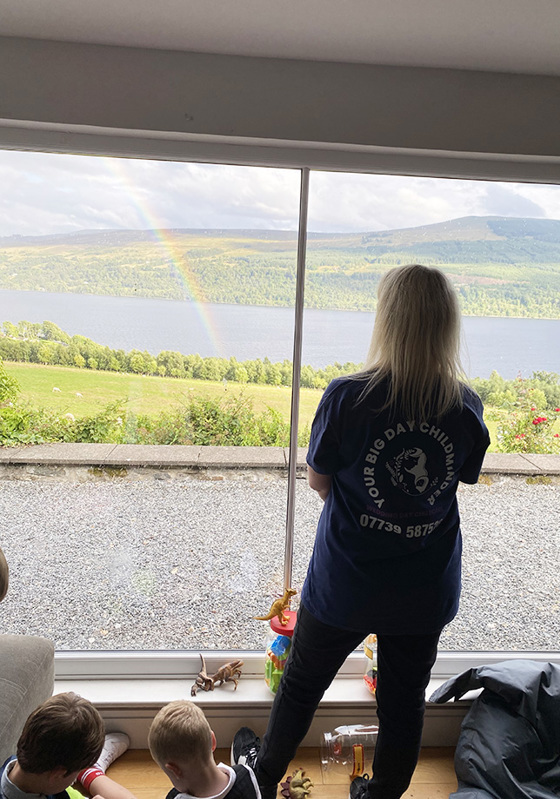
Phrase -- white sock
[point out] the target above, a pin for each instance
(116, 743)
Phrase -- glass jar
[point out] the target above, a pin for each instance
(370, 671)
(349, 750)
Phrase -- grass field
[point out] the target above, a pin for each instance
(147, 394)
(142, 394)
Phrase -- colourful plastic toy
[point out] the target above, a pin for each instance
(278, 649)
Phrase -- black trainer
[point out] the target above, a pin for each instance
(245, 748)
(359, 787)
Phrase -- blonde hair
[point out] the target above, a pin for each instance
(415, 343)
(179, 733)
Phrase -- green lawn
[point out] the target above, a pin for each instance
(143, 394)
(148, 394)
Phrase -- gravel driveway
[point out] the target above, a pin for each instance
(154, 560)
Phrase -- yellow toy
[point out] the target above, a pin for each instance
(298, 786)
(278, 607)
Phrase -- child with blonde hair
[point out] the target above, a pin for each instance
(182, 743)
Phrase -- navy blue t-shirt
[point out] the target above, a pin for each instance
(387, 555)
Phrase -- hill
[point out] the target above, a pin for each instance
(501, 266)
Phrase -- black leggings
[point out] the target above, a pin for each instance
(318, 651)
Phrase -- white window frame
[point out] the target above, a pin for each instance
(185, 664)
(87, 140)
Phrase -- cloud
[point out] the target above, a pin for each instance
(49, 193)
(507, 200)
(52, 193)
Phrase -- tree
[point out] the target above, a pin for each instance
(10, 330)
(150, 365)
(28, 329)
(45, 353)
(273, 374)
(173, 363)
(52, 332)
(241, 375)
(136, 362)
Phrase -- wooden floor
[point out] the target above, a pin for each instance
(434, 777)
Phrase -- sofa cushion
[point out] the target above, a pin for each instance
(26, 680)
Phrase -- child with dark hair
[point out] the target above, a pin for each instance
(63, 741)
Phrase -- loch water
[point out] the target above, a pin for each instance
(509, 345)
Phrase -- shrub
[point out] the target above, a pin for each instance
(9, 386)
(103, 427)
(205, 421)
(22, 424)
(527, 429)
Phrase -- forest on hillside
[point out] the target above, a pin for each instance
(500, 267)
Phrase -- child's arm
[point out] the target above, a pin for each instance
(103, 787)
(95, 781)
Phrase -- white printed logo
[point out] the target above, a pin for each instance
(409, 473)
(411, 470)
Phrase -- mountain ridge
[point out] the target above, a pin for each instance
(500, 266)
(521, 227)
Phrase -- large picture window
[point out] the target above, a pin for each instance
(500, 245)
(146, 303)
(152, 303)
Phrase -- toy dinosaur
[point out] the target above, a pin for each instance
(279, 606)
(298, 786)
(202, 680)
(229, 672)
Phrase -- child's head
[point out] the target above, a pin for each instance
(416, 336)
(179, 737)
(65, 732)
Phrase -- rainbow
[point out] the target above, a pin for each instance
(117, 167)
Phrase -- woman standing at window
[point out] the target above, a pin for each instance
(388, 448)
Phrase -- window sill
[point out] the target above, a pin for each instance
(130, 687)
(131, 704)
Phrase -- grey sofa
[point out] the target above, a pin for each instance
(26, 680)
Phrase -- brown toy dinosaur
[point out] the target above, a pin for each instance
(202, 680)
(278, 607)
(229, 672)
(298, 786)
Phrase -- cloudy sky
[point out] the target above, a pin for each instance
(48, 193)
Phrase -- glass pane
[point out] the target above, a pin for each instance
(500, 245)
(142, 303)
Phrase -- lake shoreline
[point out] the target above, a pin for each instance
(189, 301)
(508, 345)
